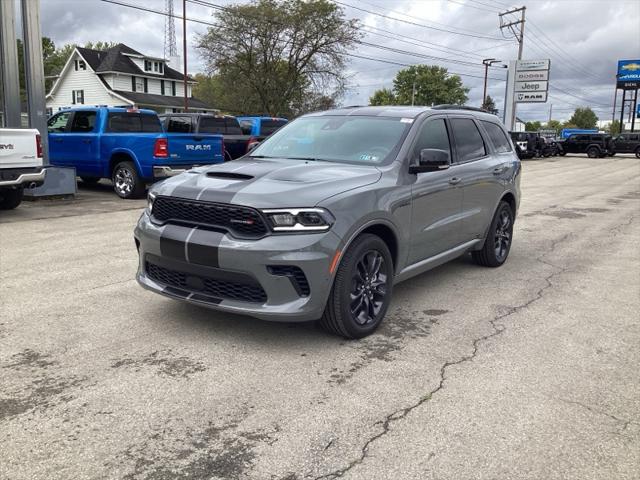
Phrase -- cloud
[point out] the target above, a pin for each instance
(583, 38)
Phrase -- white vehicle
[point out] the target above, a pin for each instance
(20, 164)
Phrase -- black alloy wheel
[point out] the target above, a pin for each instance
(497, 245)
(368, 287)
(502, 237)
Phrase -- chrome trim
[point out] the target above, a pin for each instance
(25, 178)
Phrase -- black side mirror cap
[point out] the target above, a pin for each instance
(431, 160)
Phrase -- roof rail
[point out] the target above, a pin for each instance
(458, 107)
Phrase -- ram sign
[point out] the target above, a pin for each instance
(628, 74)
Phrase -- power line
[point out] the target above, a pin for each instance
(415, 23)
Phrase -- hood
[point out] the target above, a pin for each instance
(268, 183)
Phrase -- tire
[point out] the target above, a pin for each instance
(501, 230)
(593, 152)
(367, 255)
(126, 181)
(562, 153)
(638, 152)
(90, 180)
(10, 198)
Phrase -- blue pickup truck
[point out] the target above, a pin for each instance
(128, 146)
(260, 127)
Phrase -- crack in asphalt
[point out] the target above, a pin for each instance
(497, 330)
(624, 422)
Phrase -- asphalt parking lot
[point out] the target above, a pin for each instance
(529, 371)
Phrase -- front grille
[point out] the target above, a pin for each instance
(242, 221)
(296, 276)
(221, 289)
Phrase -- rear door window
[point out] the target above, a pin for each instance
(468, 140)
(83, 121)
(498, 137)
(232, 127)
(126, 122)
(179, 124)
(267, 127)
(212, 125)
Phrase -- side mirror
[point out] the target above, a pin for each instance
(431, 160)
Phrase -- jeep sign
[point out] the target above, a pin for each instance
(531, 86)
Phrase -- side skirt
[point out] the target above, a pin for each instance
(432, 262)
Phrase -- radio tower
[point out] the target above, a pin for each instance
(170, 48)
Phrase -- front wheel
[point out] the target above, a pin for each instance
(126, 181)
(593, 152)
(498, 242)
(638, 152)
(362, 288)
(10, 198)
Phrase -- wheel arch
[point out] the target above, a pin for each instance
(382, 229)
(123, 155)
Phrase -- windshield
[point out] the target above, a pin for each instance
(348, 139)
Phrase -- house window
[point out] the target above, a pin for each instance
(161, 87)
(79, 65)
(139, 84)
(77, 97)
(147, 65)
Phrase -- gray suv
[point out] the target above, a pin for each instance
(321, 220)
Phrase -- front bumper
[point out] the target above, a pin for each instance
(18, 177)
(194, 252)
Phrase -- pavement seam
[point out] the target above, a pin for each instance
(497, 330)
(624, 422)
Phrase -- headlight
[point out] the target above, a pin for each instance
(299, 219)
(150, 199)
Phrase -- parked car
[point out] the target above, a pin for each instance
(526, 144)
(126, 145)
(593, 144)
(236, 143)
(321, 219)
(20, 164)
(627, 143)
(261, 127)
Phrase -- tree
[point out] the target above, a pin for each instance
(532, 126)
(383, 97)
(553, 125)
(613, 128)
(279, 57)
(584, 118)
(426, 85)
(489, 105)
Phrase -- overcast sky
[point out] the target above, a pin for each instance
(583, 38)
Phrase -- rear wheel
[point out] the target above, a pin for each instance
(638, 152)
(362, 289)
(593, 152)
(126, 181)
(498, 242)
(10, 198)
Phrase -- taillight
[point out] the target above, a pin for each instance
(38, 146)
(253, 141)
(161, 148)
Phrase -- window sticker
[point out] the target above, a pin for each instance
(406, 120)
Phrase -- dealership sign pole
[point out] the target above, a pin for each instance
(527, 82)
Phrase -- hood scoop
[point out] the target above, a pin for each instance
(229, 175)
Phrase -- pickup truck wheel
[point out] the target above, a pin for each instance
(593, 152)
(90, 180)
(638, 152)
(126, 181)
(498, 242)
(10, 198)
(361, 291)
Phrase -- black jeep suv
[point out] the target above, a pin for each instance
(593, 144)
(627, 143)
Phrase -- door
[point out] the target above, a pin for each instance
(58, 147)
(81, 136)
(486, 160)
(436, 198)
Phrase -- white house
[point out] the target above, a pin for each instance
(121, 76)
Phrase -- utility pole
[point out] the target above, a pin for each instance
(487, 62)
(550, 111)
(517, 29)
(184, 52)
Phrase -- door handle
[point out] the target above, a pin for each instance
(455, 180)
(499, 170)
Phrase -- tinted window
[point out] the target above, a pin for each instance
(58, 123)
(212, 125)
(432, 135)
(133, 122)
(179, 124)
(469, 143)
(267, 127)
(498, 137)
(634, 137)
(83, 121)
(232, 126)
(580, 138)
